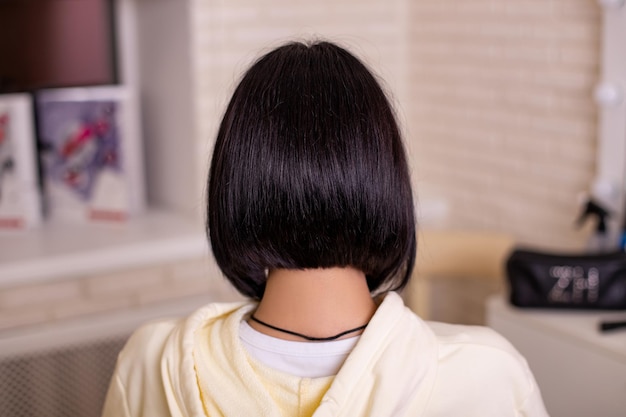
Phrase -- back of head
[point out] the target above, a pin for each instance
(309, 171)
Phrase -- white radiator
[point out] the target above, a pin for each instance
(63, 369)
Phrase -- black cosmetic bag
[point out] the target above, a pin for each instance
(544, 280)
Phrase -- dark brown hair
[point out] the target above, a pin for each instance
(309, 171)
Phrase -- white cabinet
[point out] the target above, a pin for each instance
(581, 372)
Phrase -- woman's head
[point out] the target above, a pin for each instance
(309, 171)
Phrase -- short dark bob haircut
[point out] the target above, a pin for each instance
(309, 171)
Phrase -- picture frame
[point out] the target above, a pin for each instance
(20, 200)
(90, 153)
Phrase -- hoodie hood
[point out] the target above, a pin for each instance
(380, 376)
(400, 366)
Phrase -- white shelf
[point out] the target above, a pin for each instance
(64, 250)
(58, 251)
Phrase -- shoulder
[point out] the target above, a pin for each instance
(169, 339)
(135, 388)
(481, 363)
(155, 370)
(476, 336)
(150, 337)
(477, 346)
(144, 349)
(149, 341)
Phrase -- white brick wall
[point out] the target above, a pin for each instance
(495, 96)
(502, 122)
(124, 282)
(230, 35)
(129, 289)
(30, 297)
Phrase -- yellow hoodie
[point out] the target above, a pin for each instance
(401, 366)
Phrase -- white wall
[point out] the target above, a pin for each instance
(496, 97)
(229, 35)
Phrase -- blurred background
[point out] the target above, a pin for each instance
(495, 97)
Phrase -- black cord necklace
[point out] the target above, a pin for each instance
(311, 338)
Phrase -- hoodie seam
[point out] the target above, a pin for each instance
(122, 388)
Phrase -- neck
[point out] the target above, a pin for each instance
(315, 302)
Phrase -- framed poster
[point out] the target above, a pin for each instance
(90, 153)
(20, 203)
